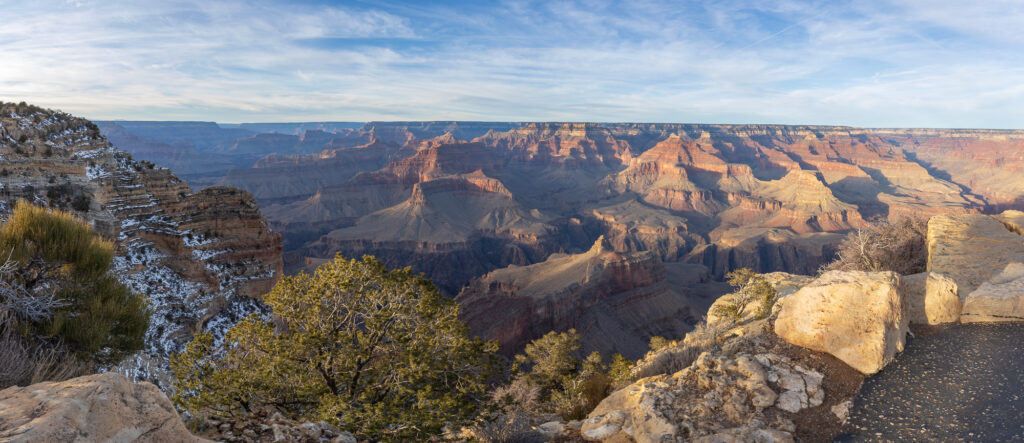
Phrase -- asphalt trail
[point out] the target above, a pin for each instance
(965, 383)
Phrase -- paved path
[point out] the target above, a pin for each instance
(964, 383)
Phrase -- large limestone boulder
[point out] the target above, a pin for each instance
(101, 408)
(855, 316)
(971, 248)
(999, 299)
(931, 298)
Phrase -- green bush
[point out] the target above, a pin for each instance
(56, 254)
(81, 203)
(378, 353)
(752, 290)
(657, 343)
(567, 386)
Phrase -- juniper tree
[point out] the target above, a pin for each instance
(376, 352)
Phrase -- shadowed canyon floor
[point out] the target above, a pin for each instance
(964, 382)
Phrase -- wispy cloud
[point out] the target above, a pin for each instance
(870, 63)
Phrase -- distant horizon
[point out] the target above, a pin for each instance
(551, 121)
(872, 63)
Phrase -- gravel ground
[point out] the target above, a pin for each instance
(963, 383)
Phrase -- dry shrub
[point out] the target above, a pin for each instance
(25, 360)
(521, 395)
(899, 246)
(507, 428)
(704, 337)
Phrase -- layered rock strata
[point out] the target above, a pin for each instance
(616, 301)
(202, 258)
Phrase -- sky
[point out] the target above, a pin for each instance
(871, 63)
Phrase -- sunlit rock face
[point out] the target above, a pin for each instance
(202, 258)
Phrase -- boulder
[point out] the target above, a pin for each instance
(855, 316)
(999, 299)
(99, 407)
(971, 248)
(931, 298)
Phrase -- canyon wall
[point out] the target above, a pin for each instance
(461, 201)
(203, 259)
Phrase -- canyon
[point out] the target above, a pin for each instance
(463, 201)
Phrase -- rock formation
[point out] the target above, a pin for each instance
(616, 301)
(856, 316)
(100, 407)
(984, 255)
(751, 387)
(1001, 298)
(930, 298)
(971, 248)
(202, 258)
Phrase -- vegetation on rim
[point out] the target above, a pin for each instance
(899, 246)
(57, 296)
(376, 352)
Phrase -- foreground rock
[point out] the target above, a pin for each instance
(754, 388)
(270, 426)
(931, 298)
(101, 407)
(855, 316)
(972, 248)
(999, 299)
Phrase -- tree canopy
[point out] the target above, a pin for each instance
(376, 352)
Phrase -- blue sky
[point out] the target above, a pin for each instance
(876, 63)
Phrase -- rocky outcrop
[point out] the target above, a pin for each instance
(269, 426)
(856, 316)
(1001, 298)
(616, 301)
(202, 258)
(754, 388)
(983, 254)
(930, 298)
(716, 397)
(101, 407)
(971, 248)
